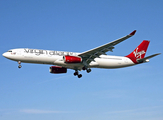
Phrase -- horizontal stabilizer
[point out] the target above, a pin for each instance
(146, 58)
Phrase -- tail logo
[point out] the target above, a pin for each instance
(138, 54)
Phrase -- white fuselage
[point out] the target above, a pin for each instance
(56, 58)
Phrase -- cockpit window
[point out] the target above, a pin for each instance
(9, 51)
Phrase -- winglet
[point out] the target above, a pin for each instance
(133, 33)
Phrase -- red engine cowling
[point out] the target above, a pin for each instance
(57, 70)
(72, 59)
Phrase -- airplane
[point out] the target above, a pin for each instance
(94, 58)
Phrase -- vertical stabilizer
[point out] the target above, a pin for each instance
(139, 52)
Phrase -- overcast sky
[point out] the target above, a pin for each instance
(32, 93)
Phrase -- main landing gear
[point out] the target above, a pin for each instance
(87, 69)
(76, 73)
(19, 62)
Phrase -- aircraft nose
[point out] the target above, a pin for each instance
(4, 54)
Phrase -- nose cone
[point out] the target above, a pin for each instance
(9, 55)
(4, 54)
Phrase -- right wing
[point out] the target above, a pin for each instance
(90, 55)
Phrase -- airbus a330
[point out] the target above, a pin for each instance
(94, 58)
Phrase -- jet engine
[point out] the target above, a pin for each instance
(57, 70)
(72, 59)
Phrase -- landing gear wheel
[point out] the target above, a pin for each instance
(19, 66)
(75, 73)
(88, 70)
(84, 68)
(80, 75)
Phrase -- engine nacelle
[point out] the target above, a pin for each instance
(57, 70)
(72, 59)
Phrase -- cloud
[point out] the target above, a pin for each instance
(138, 110)
(32, 111)
(144, 113)
(37, 111)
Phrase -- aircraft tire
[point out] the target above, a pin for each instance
(80, 75)
(75, 73)
(19, 66)
(88, 70)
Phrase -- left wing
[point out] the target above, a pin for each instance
(90, 55)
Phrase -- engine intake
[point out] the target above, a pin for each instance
(57, 70)
(72, 59)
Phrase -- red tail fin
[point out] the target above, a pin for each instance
(139, 52)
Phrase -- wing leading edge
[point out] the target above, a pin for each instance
(90, 55)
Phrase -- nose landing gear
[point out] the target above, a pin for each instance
(19, 62)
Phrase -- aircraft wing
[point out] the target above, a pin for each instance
(90, 55)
